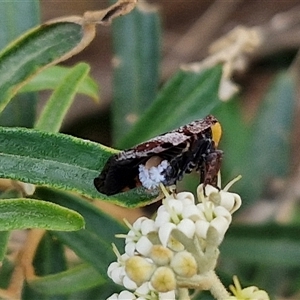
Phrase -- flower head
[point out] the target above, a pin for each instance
(178, 249)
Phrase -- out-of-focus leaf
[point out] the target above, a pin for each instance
(32, 52)
(4, 236)
(234, 140)
(71, 281)
(11, 22)
(50, 256)
(266, 244)
(136, 41)
(268, 149)
(187, 96)
(28, 213)
(51, 78)
(21, 111)
(88, 246)
(60, 101)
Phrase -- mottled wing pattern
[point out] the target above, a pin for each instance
(183, 148)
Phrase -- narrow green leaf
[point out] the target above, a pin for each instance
(33, 51)
(60, 101)
(50, 79)
(28, 213)
(89, 247)
(79, 278)
(187, 96)
(59, 161)
(4, 236)
(269, 144)
(136, 41)
(95, 219)
(267, 244)
(234, 141)
(12, 22)
(50, 256)
(21, 111)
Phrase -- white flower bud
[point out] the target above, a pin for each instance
(124, 295)
(184, 264)
(130, 248)
(186, 198)
(175, 205)
(220, 211)
(230, 201)
(117, 275)
(201, 228)
(164, 233)
(191, 212)
(128, 283)
(221, 225)
(162, 218)
(187, 227)
(143, 246)
(167, 296)
(147, 226)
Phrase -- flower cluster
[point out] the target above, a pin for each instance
(177, 251)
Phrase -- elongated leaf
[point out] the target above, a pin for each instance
(268, 153)
(50, 79)
(11, 22)
(35, 50)
(59, 161)
(60, 101)
(89, 247)
(93, 244)
(187, 96)
(49, 44)
(4, 236)
(21, 111)
(267, 244)
(136, 41)
(73, 280)
(95, 219)
(28, 213)
(50, 256)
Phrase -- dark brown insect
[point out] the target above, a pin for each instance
(165, 158)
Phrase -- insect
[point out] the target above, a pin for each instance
(165, 159)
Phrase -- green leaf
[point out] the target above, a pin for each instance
(50, 256)
(93, 244)
(267, 244)
(89, 247)
(21, 111)
(12, 22)
(268, 149)
(33, 51)
(28, 213)
(95, 219)
(187, 96)
(51, 78)
(79, 278)
(136, 41)
(60, 101)
(4, 236)
(234, 141)
(59, 161)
